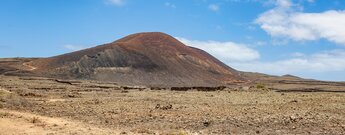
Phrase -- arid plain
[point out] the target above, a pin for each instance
(49, 106)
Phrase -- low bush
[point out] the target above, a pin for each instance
(260, 86)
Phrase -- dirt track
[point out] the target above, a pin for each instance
(105, 106)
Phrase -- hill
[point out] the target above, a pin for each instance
(154, 59)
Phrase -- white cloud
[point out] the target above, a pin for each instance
(244, 58)
(328, 61)
(260, 43)
(287, 20)
(169, 5)
(284, 3)
(116, 2)
(225, 51)
(213, 7)
(297, 54)
(74, 47)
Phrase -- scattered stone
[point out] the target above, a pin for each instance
(30, 94)
(294, 101)
(198, 88)
(156, 88)
(210, 95)
(71, 96)
(207, 123)
(163, 107)
(293, 118)
(124, 91)
(245, 88)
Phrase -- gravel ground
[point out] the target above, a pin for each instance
(107, 106)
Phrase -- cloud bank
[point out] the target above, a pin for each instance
(287, 20)
(243, 58)
(225, 51)
(327, 61)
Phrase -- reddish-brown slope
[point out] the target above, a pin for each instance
(154, 58)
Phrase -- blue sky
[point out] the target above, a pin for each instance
(300, 37)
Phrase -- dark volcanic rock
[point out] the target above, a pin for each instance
(150, 59)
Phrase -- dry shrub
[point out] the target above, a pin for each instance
(4, 114)
(28, 93)
(14, 101)
(176, 133)
(2, 93)
(143, 131)
(260, 86)
(35, 120)
(164, 107)
(182, 133)
(38, 122)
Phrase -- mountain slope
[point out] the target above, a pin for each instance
(154, 59)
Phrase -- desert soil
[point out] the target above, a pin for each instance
(46, 106)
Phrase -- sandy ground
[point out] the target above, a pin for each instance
(30, 68)
(14, 122)
(44, 106)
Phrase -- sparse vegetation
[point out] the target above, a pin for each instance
(35, 120)
(2, 93)
(177, 133)
(169, 112)
(143, 131)
(182, 133)
(4, 114)
(164, 107)
(13, 101)
(260, 86)
(28, 93)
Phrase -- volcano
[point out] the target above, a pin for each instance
(149, 59)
